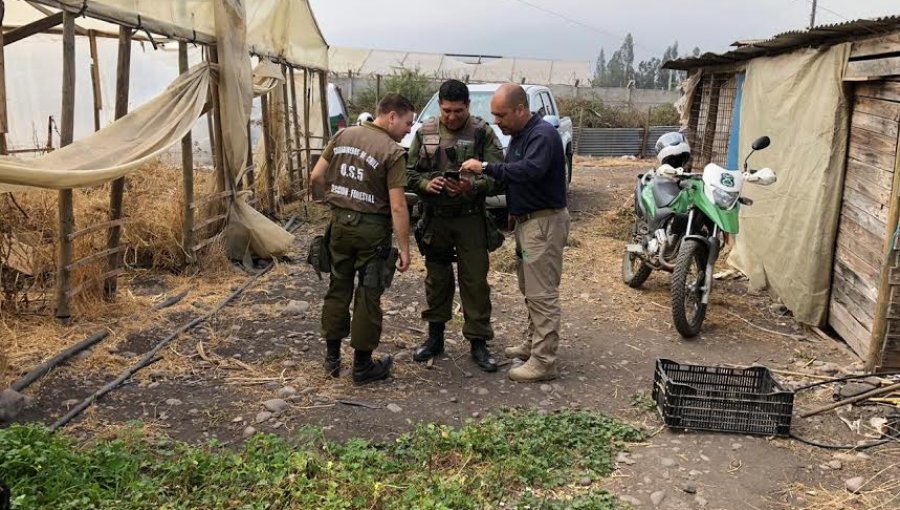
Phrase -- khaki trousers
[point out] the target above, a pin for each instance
(539, 242)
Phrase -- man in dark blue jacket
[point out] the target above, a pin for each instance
(535, 177)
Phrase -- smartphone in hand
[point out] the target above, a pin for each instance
(451, 174)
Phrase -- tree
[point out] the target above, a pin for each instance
(647, 74)
(600, 70)
(615, 71)
(627, 56)
(696, 52)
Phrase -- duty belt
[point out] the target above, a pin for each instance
(542, 213)
(450, 212)
(381, 219)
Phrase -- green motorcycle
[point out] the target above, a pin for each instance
(680, 224)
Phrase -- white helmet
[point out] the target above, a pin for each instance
(673, 149)
(364, 117)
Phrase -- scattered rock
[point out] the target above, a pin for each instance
(173, 402)
(483, 391)
(288, 363)
(308, 391)
(295, 308)
(287, 391)
(631, 500)
(657, 497)
(736, 446)
(778, 309)
(263, 416)
(249, 431)
(153, 385)
(238, 419)
(11, 404)
(275, 405)
(689, 488)
(476, 414)
(585, 481)
(701, 501)
(853, 389)
(454, 399)
(854, 484)
(394, 408)
(668, 462)
(835, 464)
(71, 402)
(546, 388)
(624, 458)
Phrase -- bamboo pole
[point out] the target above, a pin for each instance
(251, 178)
(288, 146)
(4, 121)
(306, 102)
(66, 134)
(323, 102)
(270, 163)
(117, 192)
(95, 79)
(296, 127)
(187, 173)
(224, 180)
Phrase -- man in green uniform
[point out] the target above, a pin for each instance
(454, 225)
(363, 172)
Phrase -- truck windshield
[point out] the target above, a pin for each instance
(480, 106)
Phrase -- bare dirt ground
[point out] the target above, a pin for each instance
(212, 382)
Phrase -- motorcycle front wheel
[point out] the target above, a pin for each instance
(688, 310)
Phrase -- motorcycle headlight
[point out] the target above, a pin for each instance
(724, 199)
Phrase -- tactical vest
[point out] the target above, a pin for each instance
(357, 173)
(468, 142)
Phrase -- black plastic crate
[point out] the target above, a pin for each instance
(718, 399)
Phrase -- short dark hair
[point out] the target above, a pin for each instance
(394, 102)
(453, 90)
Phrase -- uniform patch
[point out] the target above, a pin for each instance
(465, 143)
(431, 139)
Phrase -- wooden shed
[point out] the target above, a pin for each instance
(864, 302)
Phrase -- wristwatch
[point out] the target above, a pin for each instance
(484, 166)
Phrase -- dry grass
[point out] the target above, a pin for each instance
(153, 206)
(607, 162)
(880, 492)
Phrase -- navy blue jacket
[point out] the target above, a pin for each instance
(534, 171)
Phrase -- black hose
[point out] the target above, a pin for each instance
(863, 446)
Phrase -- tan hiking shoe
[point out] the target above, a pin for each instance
(521, 351)
(534, 371)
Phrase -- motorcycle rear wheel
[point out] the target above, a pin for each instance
(688, 310)
(634, 270)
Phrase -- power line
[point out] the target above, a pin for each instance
(580, 23)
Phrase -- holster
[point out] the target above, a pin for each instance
(379, 272)
(494, 236)
(319, 256)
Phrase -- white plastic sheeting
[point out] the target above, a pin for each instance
(362, 62)
(281, 29)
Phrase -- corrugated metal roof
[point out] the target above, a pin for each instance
(787, 41)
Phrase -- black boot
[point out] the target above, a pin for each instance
(482, 355)
(366, 370)
(434, 344)
(333, 358)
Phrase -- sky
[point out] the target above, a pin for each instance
(572, 29)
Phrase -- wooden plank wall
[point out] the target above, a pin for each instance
(859, 255)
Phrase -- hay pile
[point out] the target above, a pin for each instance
(153, 234)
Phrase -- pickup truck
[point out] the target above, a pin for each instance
(540, 101)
